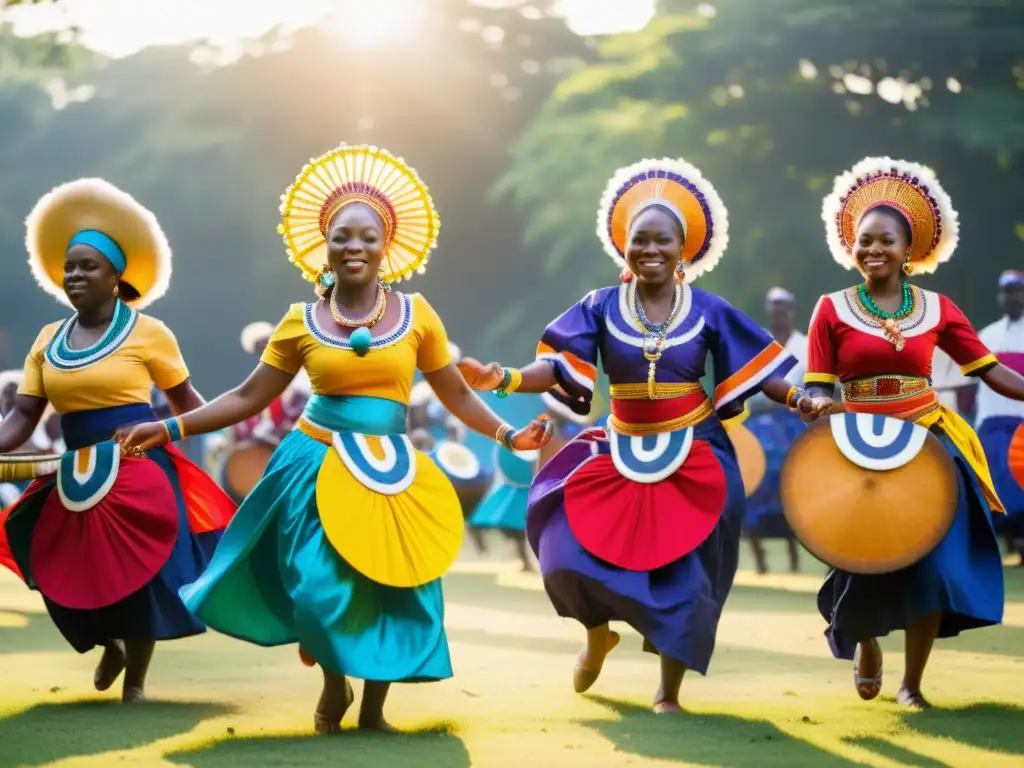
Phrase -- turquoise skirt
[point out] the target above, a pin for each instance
(275, 578)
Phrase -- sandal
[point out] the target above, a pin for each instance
(584, 677)
(323, 724)
(912, 699)
(864, 685)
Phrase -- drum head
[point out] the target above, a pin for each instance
(244, 468)
(749, 455)
(457, 461)
(863, 520)
(1016, 456)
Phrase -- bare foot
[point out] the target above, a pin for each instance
(590, 663)
(380, 724)
(110, 667)
(667, 708)
(133, 695)
(867, 669)
(306, 659)
(330, 711)
(913, 699)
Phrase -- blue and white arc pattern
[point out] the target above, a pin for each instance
(390, 475)
(651, 458)
(874, 442)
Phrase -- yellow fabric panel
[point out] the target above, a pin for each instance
(150, 355)
(385, 372)
(403, 540)
(966, 439)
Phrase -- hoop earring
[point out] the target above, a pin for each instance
(907, 267)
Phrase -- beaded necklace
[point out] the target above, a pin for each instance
(366, 322)
(889, 321)
(61, 356)
(654, 333)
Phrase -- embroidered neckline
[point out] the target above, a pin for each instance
(63, 358)
(864, 316)
(334, 341)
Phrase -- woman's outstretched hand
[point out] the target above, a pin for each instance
(141, 437)
(534, 435)
(483, 378)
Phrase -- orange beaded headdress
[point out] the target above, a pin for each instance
(909, 188)
(363, 174)
(679, 188)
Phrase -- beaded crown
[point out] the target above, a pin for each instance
(366, 174)
(96, 204)
(682, 189)
(910, 188)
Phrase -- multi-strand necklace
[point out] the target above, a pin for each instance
(366, 322)
(654, 333)
(889, 321)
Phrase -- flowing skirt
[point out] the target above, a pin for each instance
(995, 434)
(154, 531)
(675, 607)
(275, 579)
(962, 579)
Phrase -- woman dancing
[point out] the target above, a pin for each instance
(342, 544)
(109, 539)
(890, 219)
(640, 522)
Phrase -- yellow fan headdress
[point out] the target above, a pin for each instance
(909, 188)
(96, 212)
(367, 175)
(681, 189)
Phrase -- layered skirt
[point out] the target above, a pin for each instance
(775, 430)
(109, 540)
(504, 506)
(644, 530)
(344, 512)
(962, 578)
(996, 434)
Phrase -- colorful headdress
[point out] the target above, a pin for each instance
(681, 189)
(96, 213)
(907, 187)
(253, 333)
(363, 174)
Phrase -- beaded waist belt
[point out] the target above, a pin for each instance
(673, 407)
(890, 394)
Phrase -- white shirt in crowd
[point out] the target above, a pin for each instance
(1006, 340)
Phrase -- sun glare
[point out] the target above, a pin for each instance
(368, 23)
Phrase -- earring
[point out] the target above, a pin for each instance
(326, 277)
(626, 275)
(384, 285)
(908, 267)
(680, 272)
(117, 290)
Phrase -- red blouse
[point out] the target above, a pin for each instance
(845, 342)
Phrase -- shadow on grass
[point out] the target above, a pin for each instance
(426, 747)
(708, 739)
(986, 725)
(898, 755)
(50, 732)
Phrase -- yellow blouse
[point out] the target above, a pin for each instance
(120, 374)
(417, 340)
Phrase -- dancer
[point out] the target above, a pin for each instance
(890, 219)
(999, 418)
(108, 540)
(641, 522)
(504, 505)
(342, 544)
(776, 428)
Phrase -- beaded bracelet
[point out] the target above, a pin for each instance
(174, 428)
(793, 396)
(504, 436)
(511, 380)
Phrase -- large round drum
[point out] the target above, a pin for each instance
(869, 494)
(469, 476)
(244, 467)
(1016, 455)
(749, 455)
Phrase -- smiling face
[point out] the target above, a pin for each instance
(355, 244)
(89, 278)
(655, 246)
(883, 243)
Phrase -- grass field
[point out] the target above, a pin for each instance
(774, 696)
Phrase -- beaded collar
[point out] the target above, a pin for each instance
(329, 339)
(914, 318)
(63, 358)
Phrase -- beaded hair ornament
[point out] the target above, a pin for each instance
(678, 187)
(368, 175)
(909, 188)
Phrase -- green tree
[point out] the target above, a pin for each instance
(771, 100)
